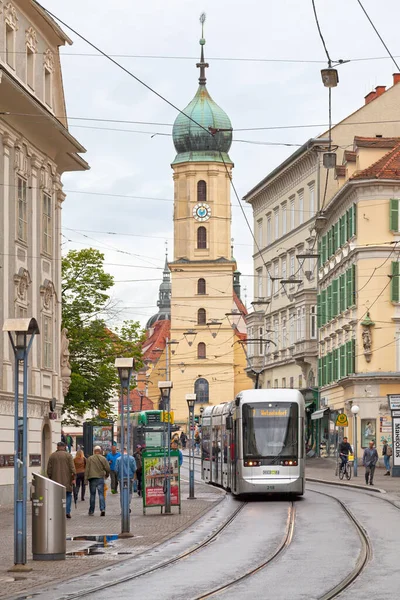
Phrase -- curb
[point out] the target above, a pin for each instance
(347, 485)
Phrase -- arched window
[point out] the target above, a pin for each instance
(201, 191)
(201, 317)
(201, 350)
(201, 390)
(201, 286)
(202, 238)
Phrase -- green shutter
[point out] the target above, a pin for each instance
(394, 215)
(329, 303)
(342, 227)
(343, 370)
(335, 297)
(349, 223)
(330, 245)
(335, 364)
(319, 254)
(323, 307)
(320, 384)
(354, 219)
(353, 285)
(324, 253)
(336, 235)
(342, 293)
(350, 281)
(350, 357)
(319, 314)
(330, 367)
(394, 283)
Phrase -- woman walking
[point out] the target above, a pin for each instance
(80, 465)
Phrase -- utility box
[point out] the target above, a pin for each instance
(48, 519)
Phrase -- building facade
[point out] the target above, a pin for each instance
(285, 205)
(36, 148)
(358, 300)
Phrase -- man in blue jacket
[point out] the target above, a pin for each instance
(126, 464)
(112, 458)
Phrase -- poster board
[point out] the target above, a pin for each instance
(153, 473)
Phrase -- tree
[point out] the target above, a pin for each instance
(86, 305)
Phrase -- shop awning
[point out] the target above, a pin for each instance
(318, 414)
(307, 404)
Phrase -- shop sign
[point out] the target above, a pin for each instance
(35, 460)
(154, 478)
(342, 420)
(6, 460)
(396, 441)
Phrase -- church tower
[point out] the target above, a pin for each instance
(202, 272)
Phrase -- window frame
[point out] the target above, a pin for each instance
(201, 351)
(202, 238)
(201, 285)
(47, 224)
(22, 210)
(47, 342)
(300, 197)
(201, 190)
(202, 316)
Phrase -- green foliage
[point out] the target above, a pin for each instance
(86, 305)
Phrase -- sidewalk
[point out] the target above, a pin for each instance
(324, 469)
(89, 555)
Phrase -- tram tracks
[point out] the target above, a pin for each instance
(161, 565)
(364, 556)
(286, 541)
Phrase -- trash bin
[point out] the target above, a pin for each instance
(48, 519)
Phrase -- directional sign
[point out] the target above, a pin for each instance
(394, 401)
(341, 420)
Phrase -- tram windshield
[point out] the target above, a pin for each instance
(270, 429)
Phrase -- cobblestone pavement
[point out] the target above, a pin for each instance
(149, 530)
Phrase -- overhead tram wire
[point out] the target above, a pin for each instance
(167, 102)
(378, 34)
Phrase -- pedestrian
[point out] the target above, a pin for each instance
(112, 458)
(183, 440)
(70, 442)
(370, 458)
(80, 465)
(197, 441)
(126, 464)
(174, 446)
(139, 468)
(61, 468)
(387, 453)
(97, 470)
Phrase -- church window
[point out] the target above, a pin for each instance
(201, 191)
(202, 238)
(201, 389)
(201, 350)
(201, 286)
(201, 317)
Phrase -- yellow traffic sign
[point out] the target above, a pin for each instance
(342, 420)
(168, 416)
(103, 414)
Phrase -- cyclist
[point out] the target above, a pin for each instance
(344, 450)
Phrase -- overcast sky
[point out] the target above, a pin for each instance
(254, 94)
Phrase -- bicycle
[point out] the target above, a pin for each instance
(344, 470)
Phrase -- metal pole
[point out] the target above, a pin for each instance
(122, 486)
(168, 490)
(355, 447)
(18, 535)
(24, 451)
(191, 454)
(127, 520)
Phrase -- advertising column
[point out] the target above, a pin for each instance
(394, 402)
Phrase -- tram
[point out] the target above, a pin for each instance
(255, 444)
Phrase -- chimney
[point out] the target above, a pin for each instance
(369, 97)
(396, 78)
(380, 89)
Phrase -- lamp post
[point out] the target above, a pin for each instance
(125, 368)
(355, 410)
(21, 333)
(191, 401)
(165, 388)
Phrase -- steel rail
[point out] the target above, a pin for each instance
(364, 556)
(287, 539)
(162, 565)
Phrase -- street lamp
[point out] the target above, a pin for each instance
(21, 333)
(125, 368)
(165, 388)
(191, 401)
(190, 336)
(355, 410)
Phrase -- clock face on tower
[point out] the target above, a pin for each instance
(202, 212)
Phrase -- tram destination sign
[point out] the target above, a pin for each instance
(394, 401)
(271, 412)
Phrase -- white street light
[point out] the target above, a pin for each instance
(355, 410)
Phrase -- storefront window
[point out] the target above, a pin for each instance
(368, 432)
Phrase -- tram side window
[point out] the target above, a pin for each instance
(205, 438)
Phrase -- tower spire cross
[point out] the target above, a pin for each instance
(202, 65)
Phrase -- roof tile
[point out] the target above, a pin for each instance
(387, 167)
